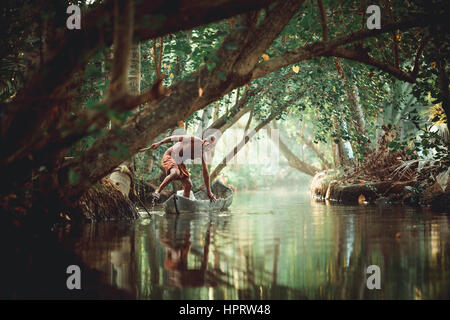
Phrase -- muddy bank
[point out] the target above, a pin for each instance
(326, 186)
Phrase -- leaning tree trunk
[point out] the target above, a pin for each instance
(343, 148)
(294, 161)
(357, 112)
(123, 175)
(243, 142)
(312, 146)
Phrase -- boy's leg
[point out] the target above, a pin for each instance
(187, 186)
(173, 174)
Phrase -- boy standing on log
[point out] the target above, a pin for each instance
(187, 147)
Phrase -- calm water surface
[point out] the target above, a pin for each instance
(272, 245)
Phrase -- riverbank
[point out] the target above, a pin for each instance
(329, 186)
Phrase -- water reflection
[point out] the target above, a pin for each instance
(273, 246)
(175, 236)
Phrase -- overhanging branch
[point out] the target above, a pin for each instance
(325, 48)
(363, 57)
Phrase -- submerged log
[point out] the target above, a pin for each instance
(105, 201)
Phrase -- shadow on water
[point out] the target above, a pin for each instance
(272, 246)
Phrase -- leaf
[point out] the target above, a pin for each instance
(296, 69)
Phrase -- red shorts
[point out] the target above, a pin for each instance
(168, 162)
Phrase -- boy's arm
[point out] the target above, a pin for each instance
(165, 140)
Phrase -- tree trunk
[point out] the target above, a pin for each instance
(204, 121)
(134, 72)
(123, 175)
(336, 160)
(343, 148)
(358, 114)
(105, 202)
(311, 145)
(292, 159)
(243, 142)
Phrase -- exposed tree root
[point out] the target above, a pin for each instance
(105, 201)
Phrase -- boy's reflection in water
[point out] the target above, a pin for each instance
(175, 236)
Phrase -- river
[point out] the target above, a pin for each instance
(272, 245)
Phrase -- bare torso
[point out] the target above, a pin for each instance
(190, 149)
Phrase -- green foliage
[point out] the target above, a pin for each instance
(315, 90)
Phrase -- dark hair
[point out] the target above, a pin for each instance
(211, 138)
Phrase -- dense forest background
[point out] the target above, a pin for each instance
(78, 104)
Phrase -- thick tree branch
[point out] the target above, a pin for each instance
(274, 22)
(362, 56)
(157, 58)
